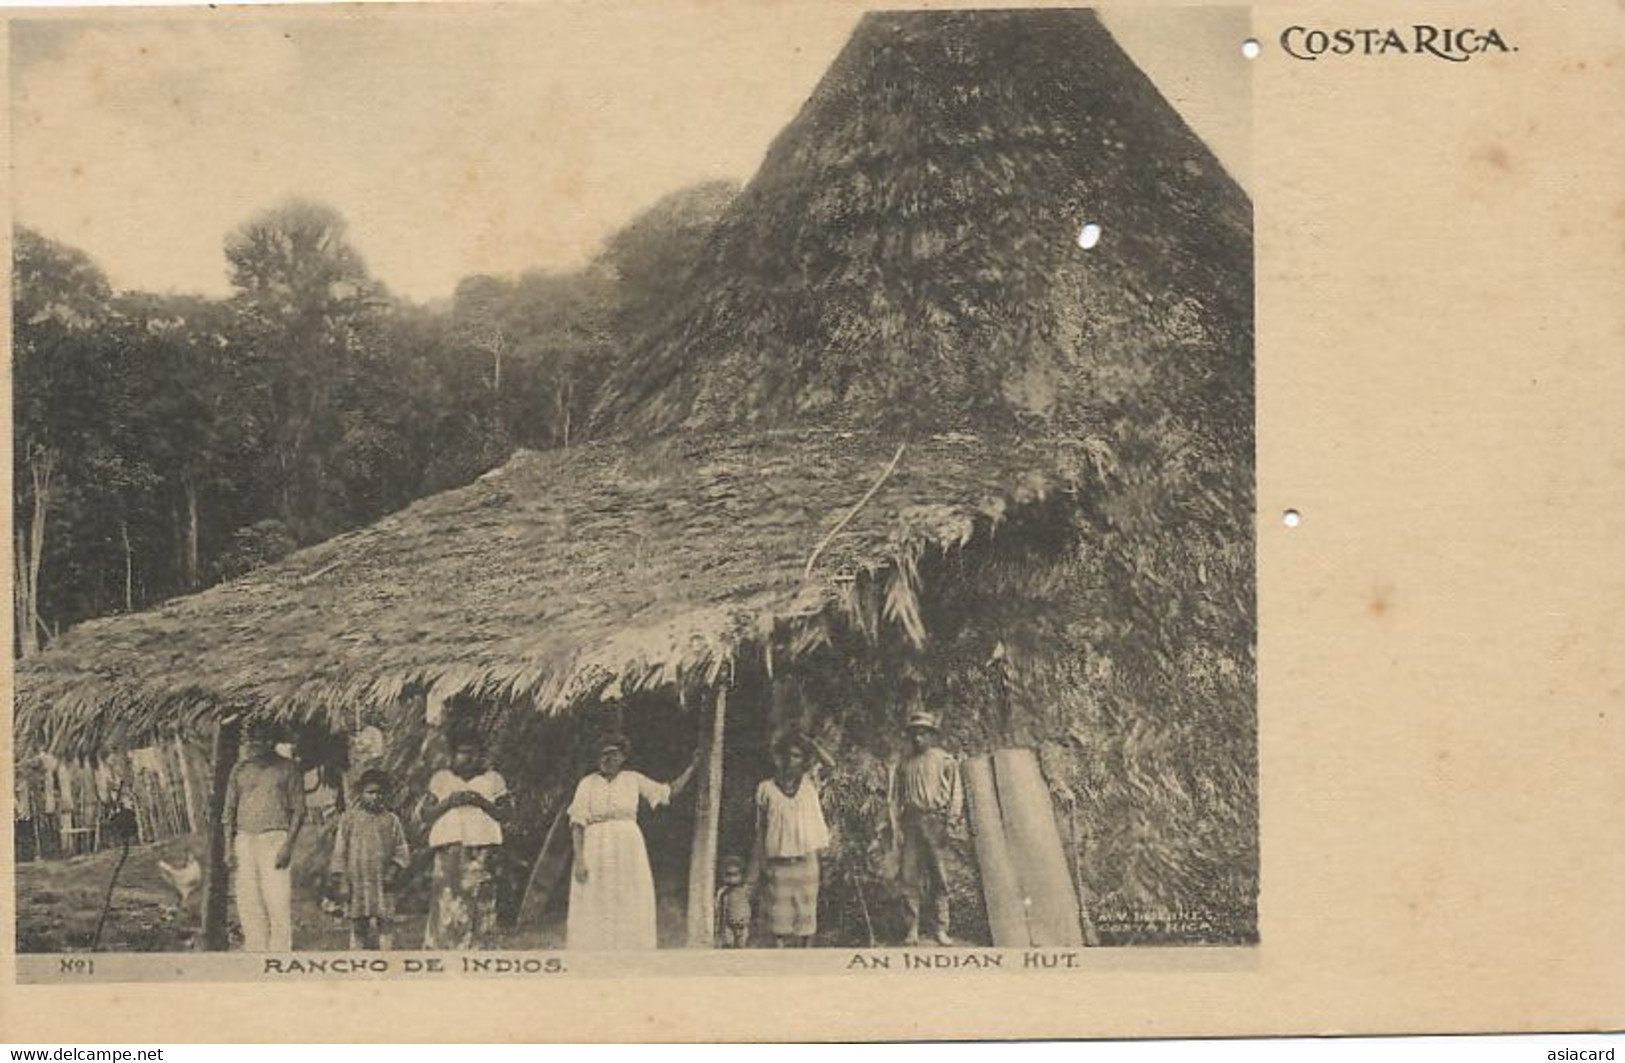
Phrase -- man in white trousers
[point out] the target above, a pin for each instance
(265, 807)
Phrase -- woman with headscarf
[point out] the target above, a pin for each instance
(612, 892)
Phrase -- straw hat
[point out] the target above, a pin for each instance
(922, 721)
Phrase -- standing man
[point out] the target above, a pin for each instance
(265, 807)
(924, 797)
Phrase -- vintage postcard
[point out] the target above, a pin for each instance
(724, 520)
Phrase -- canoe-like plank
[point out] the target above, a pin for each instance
(1006, 916)
(1035, 849)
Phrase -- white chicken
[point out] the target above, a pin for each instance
(184, 880)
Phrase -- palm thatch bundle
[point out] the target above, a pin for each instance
(1061, 555)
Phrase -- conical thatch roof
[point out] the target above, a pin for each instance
(908, 253)
(903, 267)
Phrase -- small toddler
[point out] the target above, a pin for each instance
(733, 906)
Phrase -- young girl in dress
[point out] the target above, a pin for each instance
(369, 855)
(790, 832)
(463, 809)
(612, 895)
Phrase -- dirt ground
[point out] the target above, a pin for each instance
(59, 901)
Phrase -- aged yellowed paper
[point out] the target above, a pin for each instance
(805, 520)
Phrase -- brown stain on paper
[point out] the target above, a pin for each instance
(1496, 157)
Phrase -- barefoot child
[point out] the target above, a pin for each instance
(369, 854)
(733, 906)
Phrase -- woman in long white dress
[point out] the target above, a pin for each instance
(612, 895)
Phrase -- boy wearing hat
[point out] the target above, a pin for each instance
(924, 798)
(265, 807)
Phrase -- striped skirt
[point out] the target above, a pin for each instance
(792, 895)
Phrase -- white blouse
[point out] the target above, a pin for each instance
(601, 800)
(467, 825)
(794, 826)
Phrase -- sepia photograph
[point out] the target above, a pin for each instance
(474, 506)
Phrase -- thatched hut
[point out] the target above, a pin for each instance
(903, 439)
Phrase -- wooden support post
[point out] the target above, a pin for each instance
(217, 882)
(702, 867)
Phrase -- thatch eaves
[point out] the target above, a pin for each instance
(547, 579)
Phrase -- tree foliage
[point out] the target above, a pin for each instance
(653, 255)
(166, 442)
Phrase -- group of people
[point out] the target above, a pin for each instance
(462, 812)
(612, 898)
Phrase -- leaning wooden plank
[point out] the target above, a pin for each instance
(1006, 915)
(1035, 849)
